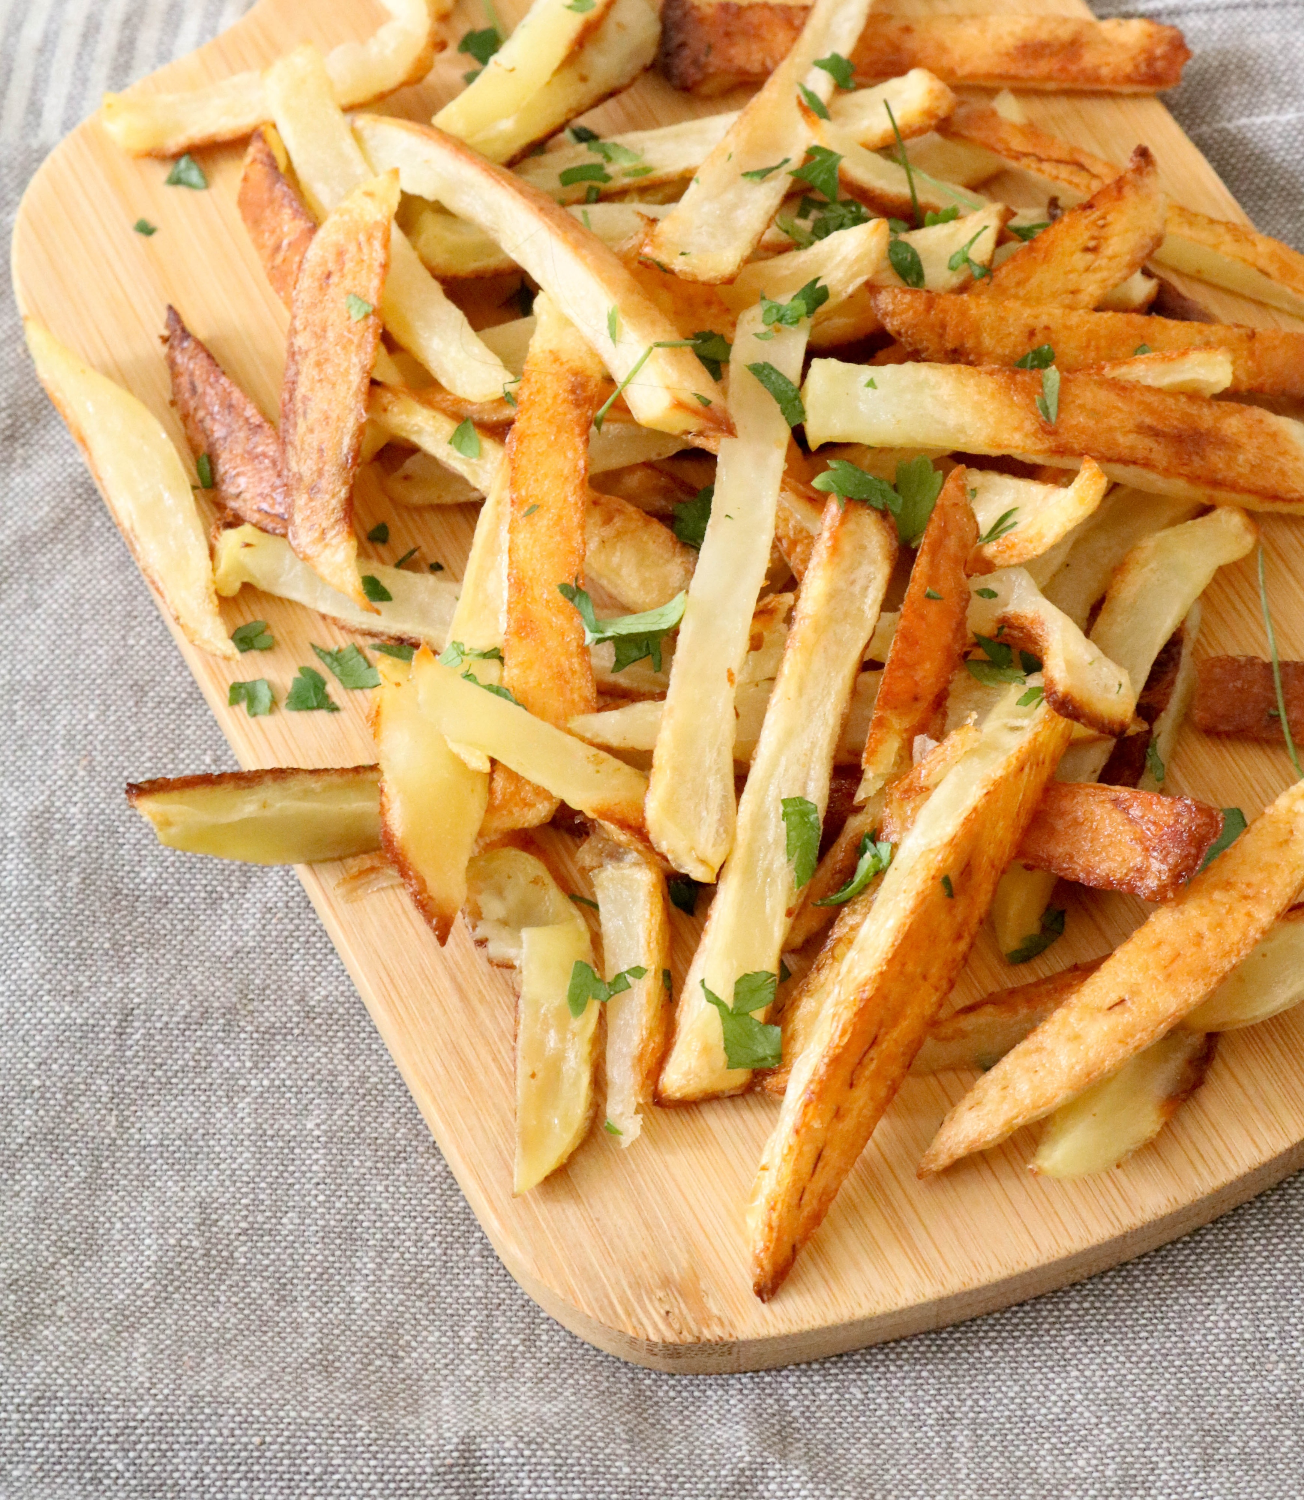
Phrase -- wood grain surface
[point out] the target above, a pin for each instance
(641, 1251)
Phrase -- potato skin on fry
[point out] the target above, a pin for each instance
(1235, 695)
(274, 214)
(710, 46)
(329, 355)
(243, 448)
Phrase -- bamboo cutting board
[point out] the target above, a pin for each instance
(641, 1251)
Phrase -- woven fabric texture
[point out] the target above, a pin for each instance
(232, 1261)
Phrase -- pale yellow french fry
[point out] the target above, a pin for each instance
(722, 216)
(141, 477)
(1164, 731)
(665, 387)
(664, 155)
(836, 612)
(690, 804)
(1266, 983)
(1190, 372)
(431, 803)
(1043, 514)
(420, 608)
(398, 53)
(329, 166)
(402, 415)
(840, 262)
(631, 896)
(508, 890)
(918, 100)
(885, 185)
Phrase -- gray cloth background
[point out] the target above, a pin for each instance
(232, 1259)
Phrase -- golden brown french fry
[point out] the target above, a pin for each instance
(1031, 519)
(1236, 695)
(977, 331)
(1089, 249)
(139, 473)
(893, 976)
(670, 389)
(431, 803)
(789, 780)
(724, 213)
(924, 656)
(282, 816)
(242, 447)
(274, 214)
(1234, 256)
(709, 47)
(1163, 971)
(334, 333)
(1218, 451)
(632, 555)
(398, 53)
(1114, 1118)
(631, 894)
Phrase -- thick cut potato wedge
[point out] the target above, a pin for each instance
(281, 816)
(1163, 971)
(632, 904)
(399, 53)
(1268, 982)
(836, 613)
(711, 46)
(243, 449)
(976, 331)
(896, 971)
(556, 1053)
(1223, 254)
(508, 890)
(276, 217)
(431, 803)
(1236, 695)
(1114, 1118)
(420, 608)
(1216, 451)
(329, 166)
(139, 473)
(720, 219)
(331, 347)
(690, 809)
(925, 654)
(670, 390)
(1089, 249)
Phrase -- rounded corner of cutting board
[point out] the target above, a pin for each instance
(679, 1304)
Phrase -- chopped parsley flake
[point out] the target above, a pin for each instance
(634, 636)
(186, 172)
(801, 820)
(252, 636)
(358, 307)
(349, 666)
(308, 692)
(749, 1043)
(1052, 927)
(256, 697)
(375, 590)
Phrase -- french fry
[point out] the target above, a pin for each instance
(748, 921)
(610, 57)
(1212, 250)
(690, 806)
(1193, 372)
(884, 184)
(546, 662)
(595, 783)
(707, 47)
(329, 166)
(334, 333)
(1173, 695)
(1221, 452)
(841, 262)
(405, 415)
(431, 803)
(399, 53)
(1261, 986)
(631, 896)
(977, 1036)
(420, 608)
(979, 331)
(924, 656)
(666, 387)
(243, 449)
(894, 974)
(508, 890)
(1159, 975)
(281, 816)
(542, 40)
(632, 555)
(919, 102)
(855, 318)
(723, 214)
(1040, 517)
(1114, 1118)
(1089, 249)
(556, 1053)
(139, 473)
(957, 162)
(1237, 696)
(642, 159)
(274, 214)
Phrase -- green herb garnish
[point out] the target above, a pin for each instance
(1000, 527)
(1276, 668)
(839, 69)
(1234, 825)
(350, 666)
(872, 859)
(143, 226)
(1052, 927)
(814, 103)
(820, 170)
(308, 692)
(375, 590)
(691, 516)
(634, 636)
(801, 820)
(1048, 401)
(252, 636)
(782, 389)
(585, 985)
(759, 174)
(186, 172)
(749, 1043)
(1036, 359)
(682, 890)
(256, 697)
(379, 532)
(358, 307)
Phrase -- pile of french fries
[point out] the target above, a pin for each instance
(841, 537)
